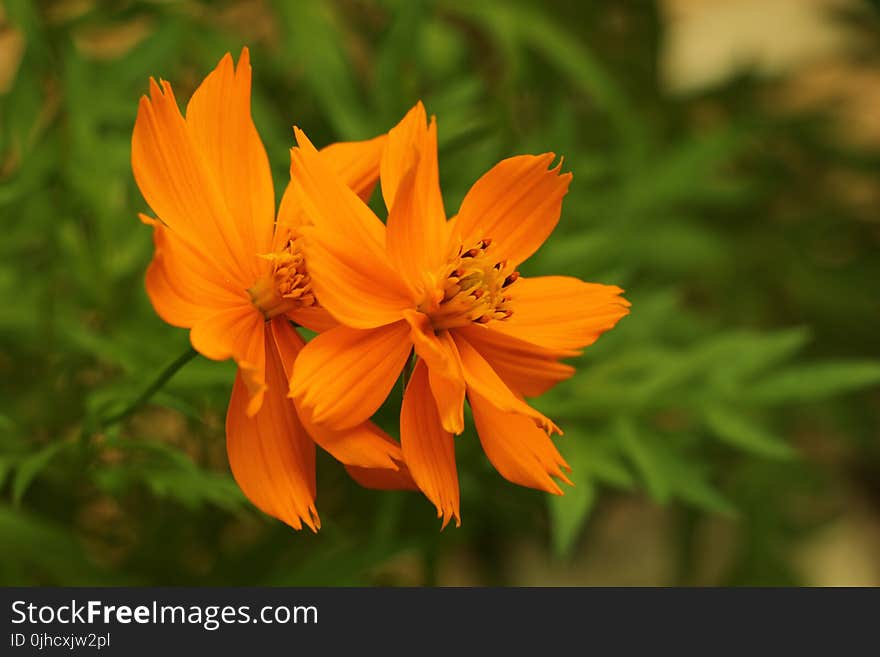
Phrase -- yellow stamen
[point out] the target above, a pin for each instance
(474, 289)
(287, 286)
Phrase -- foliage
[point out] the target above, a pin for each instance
(753, 326)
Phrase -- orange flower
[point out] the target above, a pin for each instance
(227, 269)
(451, 291)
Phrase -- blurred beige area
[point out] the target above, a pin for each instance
(799, 42)
(844, 553)
(709, 40)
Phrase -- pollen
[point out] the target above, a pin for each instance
(475, 288)
(287, 286)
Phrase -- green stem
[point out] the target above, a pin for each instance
(150, 390)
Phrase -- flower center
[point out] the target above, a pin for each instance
(475, 288)
(287, 286)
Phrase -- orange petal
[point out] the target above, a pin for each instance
(271, 456)
(237, 332)
(356, 163)
(344, 247)
(516, 204)
(218, 118)
(437, 353)
(428, 450)
(444, 367)
(363, 445)
(343, 375)
(347, 287)
(483, 380)
(519, 450)
(290, 215)
(329, 201)
(527, 369)
(175, 178)
(382, 478)
(184, 287)
(402, 151)
(314, 318)
(449, 397)
(561, 312)
(416, 238)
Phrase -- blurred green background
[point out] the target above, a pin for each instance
(726, 159)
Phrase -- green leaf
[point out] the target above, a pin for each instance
(167, 473)
(517, 24)
(682, 370)
(568, 512)
(34, 548)
(7, 464)
(314, 44)
(608, 469)
(736, 430)
(29, 467)
(6, 425)
(646, 459)
(686, 171)
(752, 353)
(804, 383)
(195, 488)
(689, 484)
(592, 460)
(676, 246)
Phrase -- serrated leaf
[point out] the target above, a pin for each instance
(167, 473)
(590, 459)
(738, 431)
(806, 383)
(665, 473)
(568, 513)
(689, 483)
(606, 468)
(749, 353)
(194, 488)
(644, 457)
(687, 170)
(683, 369)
